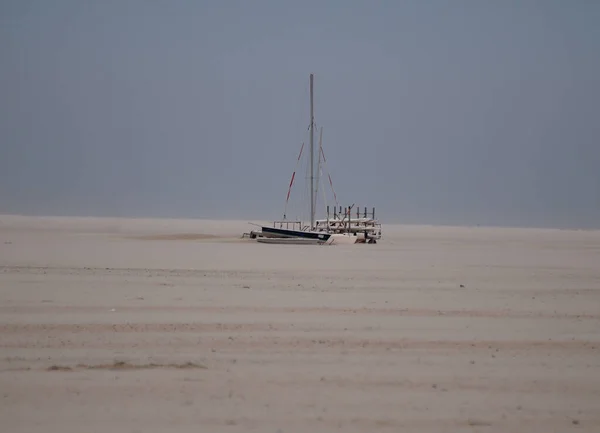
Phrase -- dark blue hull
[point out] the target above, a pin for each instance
(285, 233)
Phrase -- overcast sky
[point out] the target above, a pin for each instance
(435, 112)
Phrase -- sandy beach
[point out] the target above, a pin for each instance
(125, 325)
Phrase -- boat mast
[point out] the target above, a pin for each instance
(312, 158)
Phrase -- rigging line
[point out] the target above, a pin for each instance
(301, 209)
(329, 175)
(292, 182)
(322, 153)
(318, 177)
(323, 189)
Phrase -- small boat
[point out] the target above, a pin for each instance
(339, 228)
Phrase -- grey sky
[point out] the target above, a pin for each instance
(453, 112)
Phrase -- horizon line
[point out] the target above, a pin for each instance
(249, 220)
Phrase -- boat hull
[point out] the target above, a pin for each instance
(343, 239)
(272, 232)
(290, 241)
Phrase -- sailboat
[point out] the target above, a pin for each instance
(339, 228)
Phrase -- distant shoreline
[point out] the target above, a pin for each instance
(245, 221)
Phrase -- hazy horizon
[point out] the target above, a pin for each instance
(435, 113)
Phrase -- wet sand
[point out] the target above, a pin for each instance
(181, 326)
